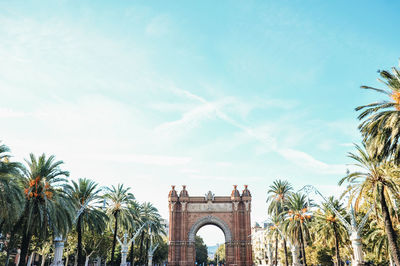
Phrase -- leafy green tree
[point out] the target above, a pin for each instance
(96, 244)
(377, 179)
(47, 205)
(328, 228)
(221, 253)
(118, 202)
(86, 197)
(381, 120)
(201, 251)
(324, 257)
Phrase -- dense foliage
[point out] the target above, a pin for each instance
(40, 203)
(201, 251)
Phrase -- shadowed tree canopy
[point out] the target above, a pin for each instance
(201, 251)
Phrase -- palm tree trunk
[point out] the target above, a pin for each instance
(131, 253)
(26, 239)
(1, 224)
(302, 245)
(337, 245)
(12, 240)
(76, 260)
(286, 255)
(115, 237)
(276, 250)
(141, 246)
(392, 237)
(147, 251)
(43, 259)
(79, 231)
(66, 260)
(30, 259)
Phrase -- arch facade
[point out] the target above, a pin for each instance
(230, 213)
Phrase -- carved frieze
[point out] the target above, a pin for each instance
(209, 207)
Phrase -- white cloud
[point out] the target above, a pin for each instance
(308, 162)
(10, 113)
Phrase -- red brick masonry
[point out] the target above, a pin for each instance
(188, 214)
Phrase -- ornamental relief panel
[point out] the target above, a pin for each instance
(209, 207)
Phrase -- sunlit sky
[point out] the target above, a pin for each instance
(206, 94)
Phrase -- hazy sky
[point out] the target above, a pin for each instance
(206, 94)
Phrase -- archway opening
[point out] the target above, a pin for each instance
(210, 245)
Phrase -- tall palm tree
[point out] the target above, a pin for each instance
(274, 233)
(87, 199)
(297, 219)
(377, 178)
(118, 201)
(47, 205)
(328, 227)
(278, 193)
(149, 214)
(11, 196)
(134, 209)
(381, 120)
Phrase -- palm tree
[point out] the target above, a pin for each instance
(277, 196)
(378, 183)
(11, 196)
(377, 237)
(86, 197)
(275, 234)
(297, 220)
(134, 209)
(118, 202)
(379, 180)
(47, 204)
(149, 214)
(381, 120)
(328, 227)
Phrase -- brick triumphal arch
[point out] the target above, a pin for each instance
(230, 213)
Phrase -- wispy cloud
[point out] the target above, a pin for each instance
(159, 160)
(211, 110)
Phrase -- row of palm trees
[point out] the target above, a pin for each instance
(40, 203)
(297, 220)
(375, 184)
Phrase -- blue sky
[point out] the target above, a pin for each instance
(206, 94)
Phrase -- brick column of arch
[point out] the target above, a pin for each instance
(230, 213)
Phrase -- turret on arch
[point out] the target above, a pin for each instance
(230, 213)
